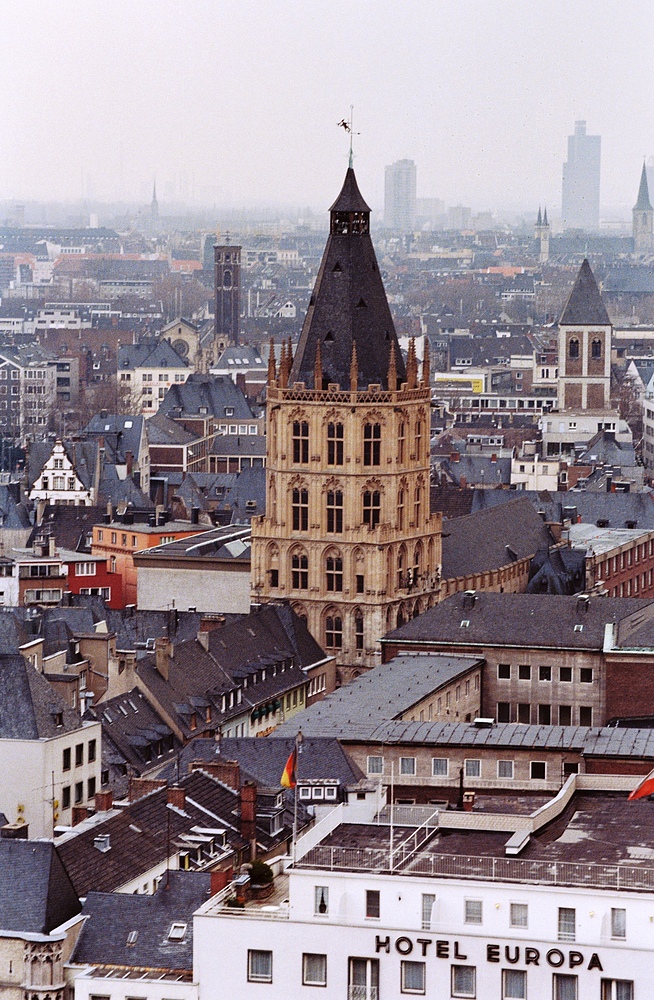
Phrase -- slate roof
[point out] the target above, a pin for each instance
(246, 496)
(478, 469)
(450, 500)
(162, 430)
(385, 692)
(223, 542)
(603, 447)
(488, 351)
(215, 392)
(240, 445)
(121, 433)
(517, 620)
(492, 538)
(36, 893)
(133, 733)
(112, 488)
(584, 305)
(643, 203)
(615, 508)
(149, 354)
(348, 305)
(71, 527)
(29, 706)
(111, 917)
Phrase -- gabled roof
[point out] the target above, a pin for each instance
(348, 306)
(584, 306)
(643, 203)
(162, 430)
(29, 707)
(215, 393)
(157, 354)
(134, 731)
(71, 527)
(121, 433)
(36, 893)
(132, 930)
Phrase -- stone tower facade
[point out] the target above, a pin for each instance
(542, 236)
(585, 347)
(227, 272)
(348, 537)
(643, 218)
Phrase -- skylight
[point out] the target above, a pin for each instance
(177, 932)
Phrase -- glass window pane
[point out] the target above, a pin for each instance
(413, 977)
(618, 923)
(473, 911)
(463, 981)
(321, 900)
(260, 966)
(314, 970)
(519, 914)
(514, 984)
(567, 923)
(439, 766)
(565, 987)
(428, 901)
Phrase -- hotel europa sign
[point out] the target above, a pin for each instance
(514, 954)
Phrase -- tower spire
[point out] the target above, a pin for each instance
(354, 369)
(426, 367)
(411, 366)
(392, 371)
(317, 369)
(272, 368)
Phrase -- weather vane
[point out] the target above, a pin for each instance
(349, 127)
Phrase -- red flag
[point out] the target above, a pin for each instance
(288, 779)
(644, 787)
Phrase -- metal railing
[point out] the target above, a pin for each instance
(568, 873)
(405, 815)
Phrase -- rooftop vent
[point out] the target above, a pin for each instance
(482, 722)
(102, 842)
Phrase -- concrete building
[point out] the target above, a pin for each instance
(348, 536)
(400, 196)
(581, 180)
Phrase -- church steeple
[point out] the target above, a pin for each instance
(643, 202)
(349, 305)
(643, 218)
(154, 205)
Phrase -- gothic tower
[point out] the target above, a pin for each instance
(643, 218)
(542, 235)
(585, 347)
(348, 536)
(227, 271)
(154, 204)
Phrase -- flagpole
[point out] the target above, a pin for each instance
(298, 742)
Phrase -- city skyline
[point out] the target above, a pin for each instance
(128, 94)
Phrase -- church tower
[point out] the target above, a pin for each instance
(585, 347)
(643, 218)
(348, 536)
(227, 274)
(154, 204)
(542, 235)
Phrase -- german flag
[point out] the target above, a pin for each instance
(288, 778)
(642, 789)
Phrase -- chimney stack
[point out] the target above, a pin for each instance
(177, 796)
(227, 771)
(249, 813)
(162, 654)
(103, 801)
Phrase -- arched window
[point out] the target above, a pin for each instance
(359, 564)
(335, 512)
(371, 508)
(334, 572)
(417, 443)
(400, 510)
(358, 630)
(596, 349)
(401, 568)
(417, 564)
(401, 441)
(300, 510)
(227, 279)
(301, 442)
(573, 348)
(372, 444)
(417, 503)
(334, 444)
(273, 566)
(299, 570)
(333, 631)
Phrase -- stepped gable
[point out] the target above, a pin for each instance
(348, 305)
(584, 306)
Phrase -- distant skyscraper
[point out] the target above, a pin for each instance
(643, 217)
(400, 196)
(581, 180)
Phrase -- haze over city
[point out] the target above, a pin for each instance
(236, 104)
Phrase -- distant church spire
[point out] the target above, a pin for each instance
(643, 217)
(154, 205)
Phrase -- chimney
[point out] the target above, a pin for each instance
(195, 515)
(227, 771)
(469, 598)
(203, 639)
(129, 461)
(162, 655)
(493, 458)
(240, 381)
(220, 880)
(103, 801)
(208, 623)
(249, 812)
(468, 801)
(454, 456)
(140, 787)
(176, 796)
(463, 482)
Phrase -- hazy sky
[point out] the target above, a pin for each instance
(236, 101)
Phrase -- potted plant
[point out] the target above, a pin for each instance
(261, 880)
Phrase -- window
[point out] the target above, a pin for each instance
(401, 438)
(417, 501)
(585, 715)
(375, 765)
(333, 632)
(79, 755)
(514, 984)
(372, 903)
(573, 348)
(400, 510)
(524, 714)
(504, 671)
(259, 966)
(407, 765)
(544, 673)
(596, 349)
(314, 970)
(363, 978)
(428, 902)
(360, 583)
(90, 791)
(413, 977)
(464, 981)
(519, 915)
(564, 987)
(334, 573)
(524, 672)
(472, 768)
(91, 751)
(617, 989)
(472, 911)
(439, 767)
(334, 444)
(417, 443)
(66, 759)
(114, 537)
(537, 770)
(544, 715)
(300, 510)
(371, 508)
(65, 797)
(300, 442)
(300, 572)
(503, 711)
(358, 631)
(586, 675)
(85, 569)
(567, 923)
(334, 512)
(321, 900)
(505, 769)
(565, 674)
(618, 923)
(372, 444)
(79, 792)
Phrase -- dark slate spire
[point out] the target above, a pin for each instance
(348, 307)
(643, 203)
(584, 306)
(545, 222)
(539, 220)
